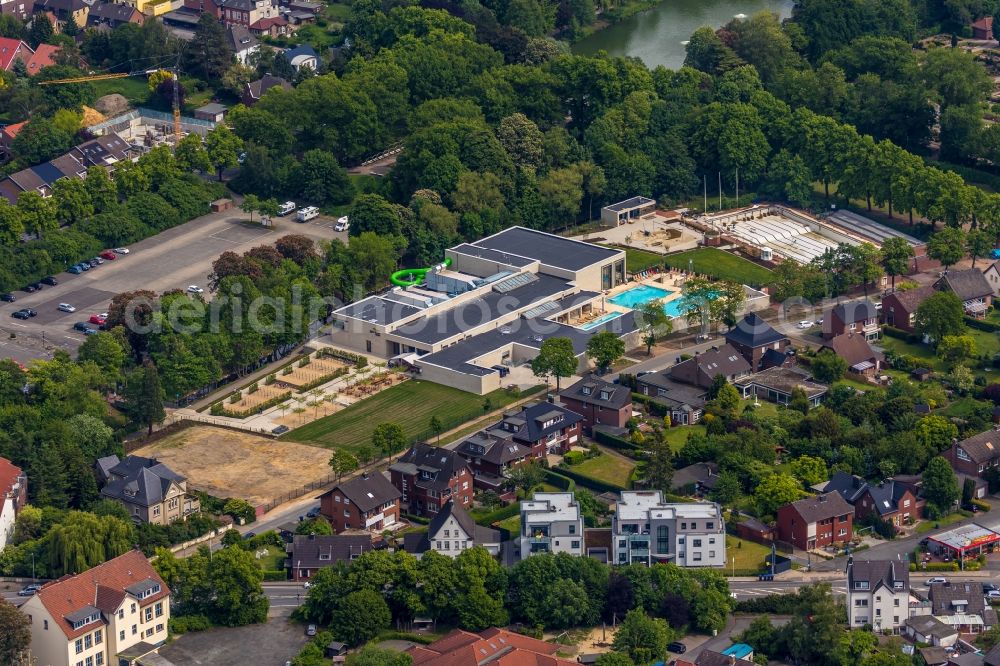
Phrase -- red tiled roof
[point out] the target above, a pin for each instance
(103, 587)
(10, 49)
(42, 58)
(11, 131)
(985, 23)
(264, 24)
(495, 646)
(9, 474)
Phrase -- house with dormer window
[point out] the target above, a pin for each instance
(428, 477)
(114, 614)
(150, 491)
(975, 455)
(544, 427)
(366, 502)
(599, 402)
(491, 456)
(878, 594)
(451, 532)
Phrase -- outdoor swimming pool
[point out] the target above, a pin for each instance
(637, 296)
(601, 320)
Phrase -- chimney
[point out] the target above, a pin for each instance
(821, 498)
(732, 660)
(312, 536)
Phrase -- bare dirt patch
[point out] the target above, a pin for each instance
(227, 463)
(317, 367)
(250, 400)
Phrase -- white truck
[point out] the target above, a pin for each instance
(306, 214)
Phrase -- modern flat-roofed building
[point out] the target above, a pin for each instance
(645, 529)
(489, 306)
(623, 212)
(551, 523)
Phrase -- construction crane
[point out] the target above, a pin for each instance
(121, 75)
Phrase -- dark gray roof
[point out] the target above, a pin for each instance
(967, 284)
(928, 625)
(821, 507)
(82, 614)
(945, 596)
(526, 424)
(982, 447)
(887, 573)
(855, 311)
(713, 658)
(704, 366)
(634, 202)
(136, 589)
(993, 656)
(783, 380)
(696, 473)
(492, 255)
(677, 394)
(379, 310)
(111, 12)
(436, 465)
(550, 250)
(105, 464)
(849, 486)
(494, 447)
(752, 331)
(314, 552)
(886, 496)
(934, 656)
(590, 389)
(139, 480)
(239, 38)
(262, 85)
(910, 299)
(368, 491)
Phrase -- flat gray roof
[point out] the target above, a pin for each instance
(565, 253)
(378, 310)
(633, 202)
(492, 255)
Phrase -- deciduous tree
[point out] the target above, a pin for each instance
(556, 358)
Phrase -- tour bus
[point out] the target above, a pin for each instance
(306, 214)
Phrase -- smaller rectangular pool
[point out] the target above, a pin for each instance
(603, 319)
(638, 296)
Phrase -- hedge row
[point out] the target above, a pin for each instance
(655, 408)
(936, 566)
(358, 360)
(503, 513)
(899, 334)
(274, 575)
(607, 439)
(982, 325)
(560, 481)
(181, 624)
(218, 409)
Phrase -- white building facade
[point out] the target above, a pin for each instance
(646, 530)
(551, 523)
(878, 594)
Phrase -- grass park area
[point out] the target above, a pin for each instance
(607, 467)
(411, 404)
(678, 437)
(748, 555)
(132, 88)
(639, 260)
(720, 265)
(952, 518)
(273, 561)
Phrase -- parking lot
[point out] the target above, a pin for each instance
(270, 644)
(174, 259)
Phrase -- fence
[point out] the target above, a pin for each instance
(295, 493)
(197, 540)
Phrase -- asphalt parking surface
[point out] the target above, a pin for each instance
(270, 644)
(173, 259)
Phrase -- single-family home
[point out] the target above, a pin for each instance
(892, 500)
(878, 594)
(761, 345)
(247, 12)
(301, 56)
(816, 522)
(13, 497)
(274, 26)
(19, 8)
(686, 404)
(776, 384)
(551, 523)
(450, 532)
(308, 553)
(492, 646)
(976, 455)
(599, 402)
(971, 287)
(860, 317)
(428, 477)
(702, 369)
(243, 42)
(13, 50)
(7, 135)
(113, 14)
(63, 9)
(992, 657)
(930, 630)
(645, 529)
(366, 502)
(120, 607)
(544, 427)
(698, 478)
(491, 456)
(962, 606)
(150, 491)
(899, 309)
(254, 90)
(861, 359)
(713, 658)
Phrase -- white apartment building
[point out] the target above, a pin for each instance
(645, 529)
(551, 523)
(878, 594)
(111, 615)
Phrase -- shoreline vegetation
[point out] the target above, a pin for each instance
(610, 17)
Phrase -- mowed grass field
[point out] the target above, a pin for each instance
(720, 265)
(608, 468)
(411, 404)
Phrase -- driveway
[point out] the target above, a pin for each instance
(270, 644)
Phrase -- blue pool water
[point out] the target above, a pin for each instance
(600, 320)
(637, 296)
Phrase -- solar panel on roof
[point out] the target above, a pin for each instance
(510, 284)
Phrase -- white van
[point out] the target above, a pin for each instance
(306, 214)
(286, 208)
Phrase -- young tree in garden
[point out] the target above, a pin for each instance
(776, 490)
(342, 462)
(947, 246)
(223, 148)
(978, 243)
(940, 485)
(827, 367)
(250, 205)
(940, 315)
(642, 638)
(654, 322)
(956, 349)
(15, 634)
(360, 616)
(527, 476)
(604, 349)
(556, 358)
(896, 254)
(38, 215)
(436, 427)
(190, 153)
(144, 396)
(388, 438)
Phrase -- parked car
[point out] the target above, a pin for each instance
(91, 331)
(343, 224)
(989, 586)
(280, 430)
(38, 286)
(195, 289)
(286, 208)
(30, 288)
(95, 262)
(51, 281)
(993, 594)
(20, 314)
(75, 270)
(307, 585)
(99, 319)
(85, 265)
(313, 512)
(81, 326)
(805, 324)
(677, 647)
(121, 250)
(8, 298)
(28, 590)
(969, 506)
(109, 255)
(937, 580)
(311, 630)
(65, 307)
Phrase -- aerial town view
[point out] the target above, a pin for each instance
(499, 332)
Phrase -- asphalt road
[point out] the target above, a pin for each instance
(173, 259)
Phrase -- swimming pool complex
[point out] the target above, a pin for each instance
(636, 297)
(601, 320)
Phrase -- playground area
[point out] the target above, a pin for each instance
(658, 232)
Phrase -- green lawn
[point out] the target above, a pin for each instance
(928, 525)
(638, 260)
(273, 561)
(677, 437)
(132, 88)
(720, 265)
(411, 404)
(512, 525)
(608, 468)
(337, 11)
(749, 555)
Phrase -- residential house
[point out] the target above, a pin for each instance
(551, 523)
(704, 367)
(491, 455)
(899, 309)
(971, 287)
(861, 359)
(686, 404)
(776, 384)
(254, 90)
(17, 8)
(275, 26)
(961, 605)
(761, 345)
(599, 402)
(878, 594)
(492, 646)
(646, 530)
(992, 275)
(544, 427)
(243, 43)
(713, 658)
(859, 317)
(199, 7)
(308, 553)
(983, 28)
(150, 491)
(892, 500)
(429, 477)
(93, 618)
(452, 531)
(212, 112)
(976, 455)
(992, 657)
(930, 630)
(366, 502)
(13, 497)
(7, 135)
(816, 522)
(301, 56)
(247, 12)
(697, 478)
(63, 9)
(933, 656)
(12, 50)
(113, 14)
